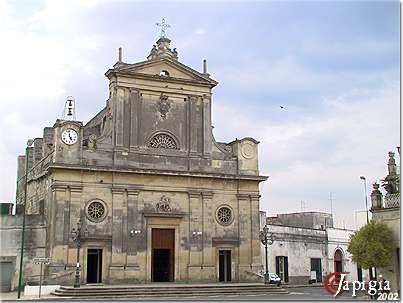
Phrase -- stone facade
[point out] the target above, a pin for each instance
(386, 209)
(147, 161)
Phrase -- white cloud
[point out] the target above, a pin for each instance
(40, 55)
(313, 154)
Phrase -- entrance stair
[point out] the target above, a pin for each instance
(164, 290)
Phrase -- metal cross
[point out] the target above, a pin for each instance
(163, 26)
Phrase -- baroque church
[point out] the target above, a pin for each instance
(156, 196)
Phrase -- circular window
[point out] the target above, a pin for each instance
(224, 215)
(96, 211)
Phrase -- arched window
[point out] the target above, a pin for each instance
(338, 260)
(162, 141)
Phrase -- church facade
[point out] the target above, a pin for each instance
(157, 198)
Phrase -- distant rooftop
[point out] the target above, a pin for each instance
(305, 219)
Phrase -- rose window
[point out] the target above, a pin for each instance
(224, 215)
(162, 141)
(96, 211)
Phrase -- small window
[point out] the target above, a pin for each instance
(164, 73)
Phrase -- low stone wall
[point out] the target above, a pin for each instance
(34, 290)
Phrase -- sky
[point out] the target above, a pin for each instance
(333, 66)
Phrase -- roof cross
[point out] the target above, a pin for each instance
(163, 26)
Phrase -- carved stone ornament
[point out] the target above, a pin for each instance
(92, 141)
(163, 106)
(164, 205)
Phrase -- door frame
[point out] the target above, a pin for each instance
(171, 255)
(100, 267)
(234, 263)
(153, 222)
(106, 255)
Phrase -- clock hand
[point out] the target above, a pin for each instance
(70, 137)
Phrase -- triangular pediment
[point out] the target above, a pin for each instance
(176, 70)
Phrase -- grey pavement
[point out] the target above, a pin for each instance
(298, 293)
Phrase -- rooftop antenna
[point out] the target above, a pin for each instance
(69, 112)
(302, 206)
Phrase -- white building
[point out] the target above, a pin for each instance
(307, 247)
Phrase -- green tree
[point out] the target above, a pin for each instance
(372, 245)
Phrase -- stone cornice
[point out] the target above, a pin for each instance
(159, 172)
(164, 215)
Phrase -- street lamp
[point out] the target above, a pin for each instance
(267, 239)
(77, 236)
(366, 198)
(29, 144)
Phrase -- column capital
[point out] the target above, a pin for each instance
(117, 190)
(207, 195)
(194, 194)
(58, 187)
(255, 197)
(133, 191)
(242, 196)
(76, 188)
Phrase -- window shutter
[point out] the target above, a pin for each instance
(278, 266)
(286, 269)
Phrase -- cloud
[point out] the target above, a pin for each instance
(308, 156)
(200, 31)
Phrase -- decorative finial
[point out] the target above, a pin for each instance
(163, 26)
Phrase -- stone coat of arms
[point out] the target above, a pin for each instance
(164, 205)
(163, 106)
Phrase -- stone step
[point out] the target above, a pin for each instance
(174, 291)
(162, 289)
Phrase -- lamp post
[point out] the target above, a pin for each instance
(77, 236)
(29, 144)
(267, 239)
(366, 198)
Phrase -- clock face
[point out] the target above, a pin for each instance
(69, 136)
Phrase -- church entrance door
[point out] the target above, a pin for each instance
(224, 266)
(94, 266)
(163, 253)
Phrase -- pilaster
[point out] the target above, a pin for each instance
(195, 241)
(117, 226)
